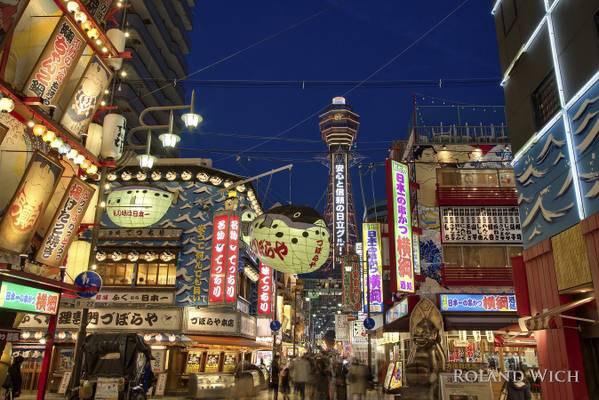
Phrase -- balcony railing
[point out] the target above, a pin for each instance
(476, 276)
(475, 196)
(461, 134)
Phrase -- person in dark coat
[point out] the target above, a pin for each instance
(341, 380)
(13, 380)
(274, 377)
(518, 388)
(285, 385)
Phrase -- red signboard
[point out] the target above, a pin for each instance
(352, 291)
(65, 224)
(216, 288)
(231, 259)
(265, 290)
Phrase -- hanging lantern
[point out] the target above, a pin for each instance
(39, 130)
(186, 175)
(6, 104)
(291, 239)
(476, 335)
(490, 336)
(171, 175)
(202, 177)
(64, 149)
(72, 155)
(48, 136)
(77, 259)
(133, 256)
(101, 256)
(146, 161)
(247, 217)
(463, 335)
(117, 37)
(92, 170)
(137, 206)
(116, 256)
(94, 139)
(56, 143)
(216, 180)
(169, 140)
(113, 136)
(156, 175)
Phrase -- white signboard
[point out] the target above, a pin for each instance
(340, 203)
(131, 297)
(159, 360)
(359, 334)
(111, 319)
(480, 225)
(464, 390)
(214, 322)
(64, 382)
(107, 388)
(341, 327)
(399, 310)
(160, 385)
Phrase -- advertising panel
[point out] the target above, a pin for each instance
(137, 206)
(398, 311)
(352, 293)
(216, 291)
(340, 203)
(231, 260)
(56, 63)
(98, 8)
(401, 226)
(478, 302)
(265, 288)
(480, 225)
(65, 225)
(27, 207)
(86, 98)
(219, 322)
(29, 299)
(372, 255)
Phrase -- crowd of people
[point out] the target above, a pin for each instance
(320, 376)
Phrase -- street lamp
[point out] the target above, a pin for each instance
(170, 139)
(191, 119)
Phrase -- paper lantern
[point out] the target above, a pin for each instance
(117, 37)
(77, 259)
(113, 136)
(292, 239)
(94, 139)
(247, 217)
(137, 206)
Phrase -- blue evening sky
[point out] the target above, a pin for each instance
(350, 40)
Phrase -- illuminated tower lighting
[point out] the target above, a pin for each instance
(339, 128)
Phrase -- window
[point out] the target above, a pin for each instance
(479, 256)
(148, 274)
(463, 177)
(116, 274)
(545, 100)
(509, 13)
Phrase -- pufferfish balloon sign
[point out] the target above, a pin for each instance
(292, 239)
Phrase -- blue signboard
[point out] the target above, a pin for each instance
(478, 302)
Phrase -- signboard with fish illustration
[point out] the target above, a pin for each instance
(195, 197)
(584, 121)
(547, 202)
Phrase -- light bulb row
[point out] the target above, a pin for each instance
(62, 147)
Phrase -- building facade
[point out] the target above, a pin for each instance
(549, 57)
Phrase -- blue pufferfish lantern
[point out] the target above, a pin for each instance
(291, 239)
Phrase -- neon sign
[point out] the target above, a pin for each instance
(478, 302)
(25, 298)
(372, 254)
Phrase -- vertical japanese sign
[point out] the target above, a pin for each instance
(265, 287)
(374, 262)
(231, 260)
(27, 207)
(363, 276)
(199, 256)
(65, 224)
(352, 292)
(57, 62)
(86, 98)
(216, 289)
(340, 203)
(400, 226)
(98, 8)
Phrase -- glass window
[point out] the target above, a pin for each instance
(484, 256)
(452, 256)
(470, 177)
(545, 100)
(156, 274)
(116, 274)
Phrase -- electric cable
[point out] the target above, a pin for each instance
(310, 116)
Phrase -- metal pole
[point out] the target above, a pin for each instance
(76, 377)
(294, 318)
(368, 311)
(274, 333)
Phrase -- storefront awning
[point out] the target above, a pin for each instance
(209, 340)
(479, 322)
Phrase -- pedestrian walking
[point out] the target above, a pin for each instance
(357, 378)
(322, 379)
(341, 380)
(302, 370)
(285, 387)
(13, 382)
(274, 378)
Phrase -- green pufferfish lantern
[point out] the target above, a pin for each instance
(292, 239)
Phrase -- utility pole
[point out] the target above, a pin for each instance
(294, 318)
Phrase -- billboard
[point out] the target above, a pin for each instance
(137, 206)
(400, 226)
(340, 204)
(216, 291)
(27, 207)
(65, 223)
(265, 286)
(372, 243)
(86, 98)
(232, 258)
(29, 299)
(478, 302)
(56, 63)
(352, 293)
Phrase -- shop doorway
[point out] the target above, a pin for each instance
(590, 358)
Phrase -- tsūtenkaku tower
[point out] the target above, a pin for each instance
(339, 128)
